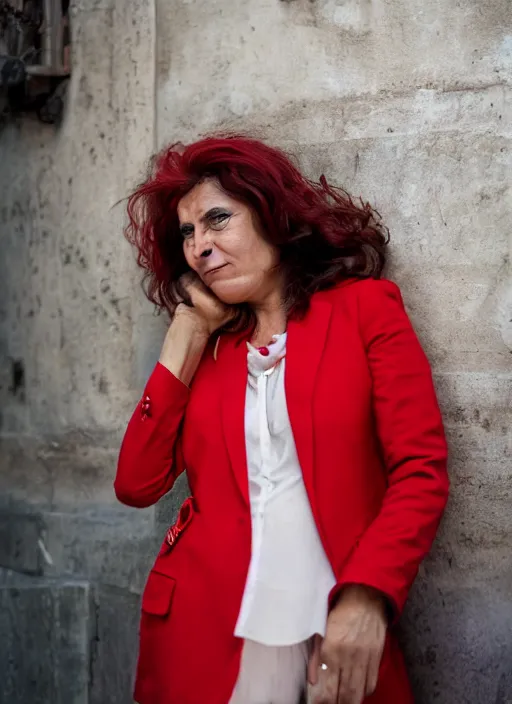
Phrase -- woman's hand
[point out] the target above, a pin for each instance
(352, 648)
(207, 311)
(191, 327)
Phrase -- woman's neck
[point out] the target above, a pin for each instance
(270, 320)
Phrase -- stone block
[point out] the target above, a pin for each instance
(115, 549)
(475, 536)
(114, 646)
(71, 472)
(20, 536)
(318, 53)
(458, 641)
(24, 479)
(44, 648)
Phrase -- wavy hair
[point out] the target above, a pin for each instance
(322, 235)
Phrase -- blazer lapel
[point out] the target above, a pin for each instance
(232, 362)
(304, 348)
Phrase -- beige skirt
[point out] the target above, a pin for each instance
(273, 675)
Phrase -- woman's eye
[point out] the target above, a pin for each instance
(187, 233)
(219, 220)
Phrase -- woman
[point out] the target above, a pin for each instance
(293, 390)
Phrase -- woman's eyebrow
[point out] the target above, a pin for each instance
(216, 210)
(186, 227)
(212, 212)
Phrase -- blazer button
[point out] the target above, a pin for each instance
(145, 408)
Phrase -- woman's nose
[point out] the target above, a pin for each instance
(202, 247)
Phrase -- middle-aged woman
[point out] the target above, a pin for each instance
(292, 389)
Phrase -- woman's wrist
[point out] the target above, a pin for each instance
(184, 346)
(363, 594)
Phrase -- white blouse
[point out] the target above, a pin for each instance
(289, 578)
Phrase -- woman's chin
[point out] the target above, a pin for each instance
(230, 294)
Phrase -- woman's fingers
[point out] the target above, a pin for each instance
(353, 681)
(314, 661)
(209, 309)
(344, 680)
(325, 691)
(372, 675)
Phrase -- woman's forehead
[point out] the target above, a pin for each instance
(201, 198)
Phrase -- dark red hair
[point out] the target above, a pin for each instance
(322, 235)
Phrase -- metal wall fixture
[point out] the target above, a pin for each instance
(34, 57)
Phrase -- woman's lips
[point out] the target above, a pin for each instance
(214, 270)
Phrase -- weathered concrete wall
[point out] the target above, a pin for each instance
(70, 301)
(405, 102)
(409, 104)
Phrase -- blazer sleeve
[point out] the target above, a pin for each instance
(150, 458)
(411, 435)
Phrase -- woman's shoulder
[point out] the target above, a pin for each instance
(369, 303)
(357, 288)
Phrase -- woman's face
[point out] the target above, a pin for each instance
(223, 243)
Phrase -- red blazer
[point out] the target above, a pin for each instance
(370, 442)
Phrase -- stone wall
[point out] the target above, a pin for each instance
(405, 102)
(74, 560)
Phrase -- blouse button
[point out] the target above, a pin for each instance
(264, 351)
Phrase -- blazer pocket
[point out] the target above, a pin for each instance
(158, 593)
